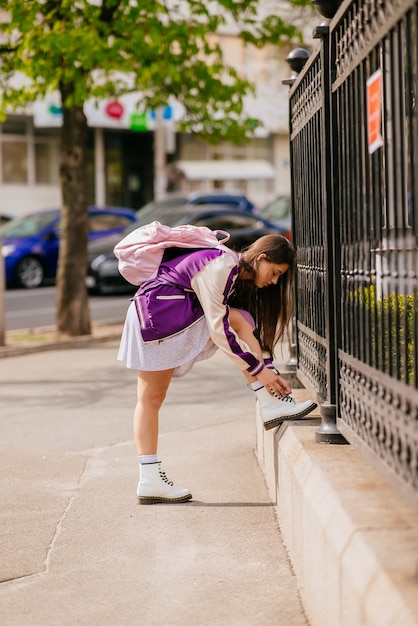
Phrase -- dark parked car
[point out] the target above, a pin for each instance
(177, 200)
(103, 275)
(31, 243)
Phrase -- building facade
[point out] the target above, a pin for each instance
(121, 154)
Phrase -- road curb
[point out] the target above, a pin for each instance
(59, 344)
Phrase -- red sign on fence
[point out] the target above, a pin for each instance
(374, 111)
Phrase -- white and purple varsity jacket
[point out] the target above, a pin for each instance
(187, 288)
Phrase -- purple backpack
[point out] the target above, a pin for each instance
(141, 251)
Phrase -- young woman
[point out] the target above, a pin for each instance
(201, 301)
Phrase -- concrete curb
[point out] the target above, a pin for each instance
(59, 344)
(352, 538)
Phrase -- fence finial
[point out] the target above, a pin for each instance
(296, 60)
(327, 8)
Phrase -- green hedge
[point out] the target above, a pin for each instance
(393, 321)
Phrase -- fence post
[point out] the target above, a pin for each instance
(296, 60)
(328, 433)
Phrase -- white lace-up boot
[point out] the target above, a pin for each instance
(275, 410)
(154, 486)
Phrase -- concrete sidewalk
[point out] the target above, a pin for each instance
(77, 549)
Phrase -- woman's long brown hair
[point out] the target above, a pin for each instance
(272, 306)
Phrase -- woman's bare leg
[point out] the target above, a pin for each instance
(153, 484)
(151, 391)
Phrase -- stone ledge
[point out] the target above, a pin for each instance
(351, 537)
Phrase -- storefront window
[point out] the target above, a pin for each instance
(193, 149)
(28, 155)
(14, 162)
(46, 163)
(14, 127)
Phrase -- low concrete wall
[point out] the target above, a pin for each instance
(351, 537)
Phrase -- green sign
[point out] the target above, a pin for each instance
(138, 122)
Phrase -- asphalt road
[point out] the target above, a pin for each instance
(34, 308)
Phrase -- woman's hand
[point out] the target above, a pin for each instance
(273, 383)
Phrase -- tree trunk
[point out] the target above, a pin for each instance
(72, 305)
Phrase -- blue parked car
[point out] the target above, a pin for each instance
(31, 243)
(177, 201)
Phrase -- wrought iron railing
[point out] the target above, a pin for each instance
(354, 158)
(306, 136)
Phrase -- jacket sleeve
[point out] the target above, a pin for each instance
(212, 285)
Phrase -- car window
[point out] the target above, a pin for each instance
(107, 221)
(169, 217)
(228, 222)
(27, 226)
(278, 209)
(163, 205)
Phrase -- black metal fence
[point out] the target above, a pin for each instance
(354, 158)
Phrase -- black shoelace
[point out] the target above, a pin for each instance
(284, 398)
(164, 477)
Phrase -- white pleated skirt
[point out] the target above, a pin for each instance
(180, 352)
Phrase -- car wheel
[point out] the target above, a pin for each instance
(30, 273)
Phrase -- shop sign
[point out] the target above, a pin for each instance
(117, 113)
(374, 111)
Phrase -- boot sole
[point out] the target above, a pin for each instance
(290, 418)
(156, 499)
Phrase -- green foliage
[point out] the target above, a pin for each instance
(88, 49)
(393, 330)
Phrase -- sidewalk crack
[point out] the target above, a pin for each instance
(58, 529)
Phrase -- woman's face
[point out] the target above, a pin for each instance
(268, 273)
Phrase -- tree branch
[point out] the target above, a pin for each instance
(109, 8)
(7, 49)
